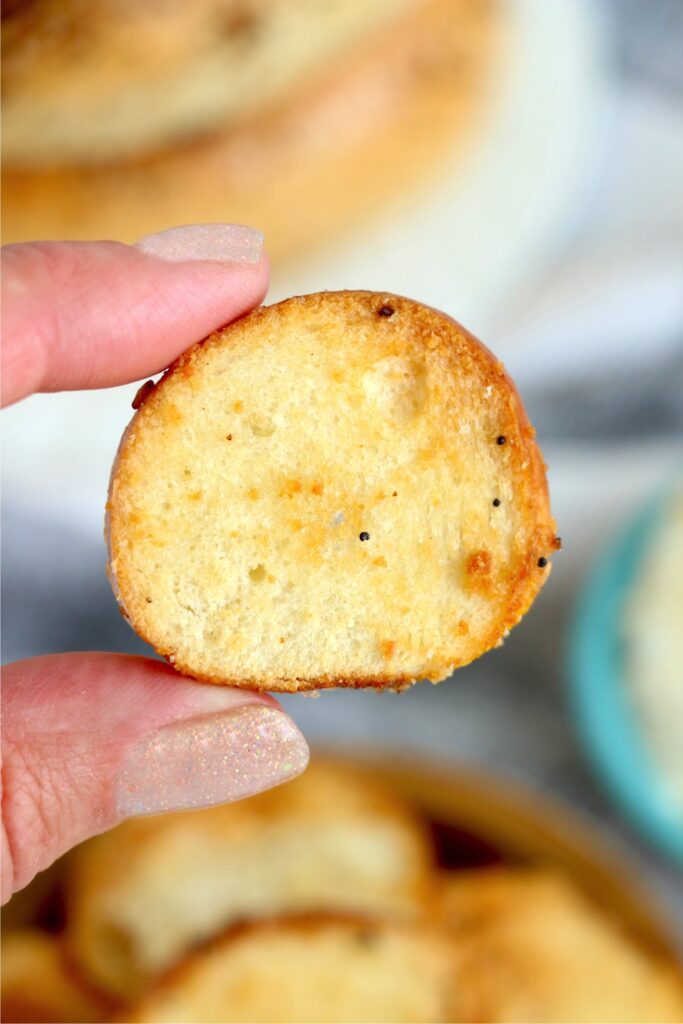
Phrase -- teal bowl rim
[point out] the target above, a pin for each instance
(606, 721)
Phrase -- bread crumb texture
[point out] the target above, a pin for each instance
(306, 499)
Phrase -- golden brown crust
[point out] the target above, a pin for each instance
(303, 172)
(455, 354)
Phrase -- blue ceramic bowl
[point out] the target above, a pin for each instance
(606, 720)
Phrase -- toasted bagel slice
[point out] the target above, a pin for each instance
(339, 490)
(317, 968)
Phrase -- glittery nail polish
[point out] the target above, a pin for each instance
(217, 243)
(210, 760)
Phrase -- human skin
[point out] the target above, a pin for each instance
(89, 738)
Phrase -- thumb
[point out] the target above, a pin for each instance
(90, 739)
(95, 314)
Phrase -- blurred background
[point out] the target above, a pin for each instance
(515, 163)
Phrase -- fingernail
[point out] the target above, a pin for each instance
(218, 243)
(210, 760)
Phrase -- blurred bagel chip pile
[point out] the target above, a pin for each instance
(40, 984)
(303, 117)
(323, 901)
(532, 948)
(334, 840)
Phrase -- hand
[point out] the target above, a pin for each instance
(90, 739)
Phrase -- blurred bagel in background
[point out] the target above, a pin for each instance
(317, 968)
(334, 148)
(336, 839)
(532, 947)
(534, 950)
(40, 984)
(85, 81)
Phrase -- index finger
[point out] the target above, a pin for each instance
(95, 314)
